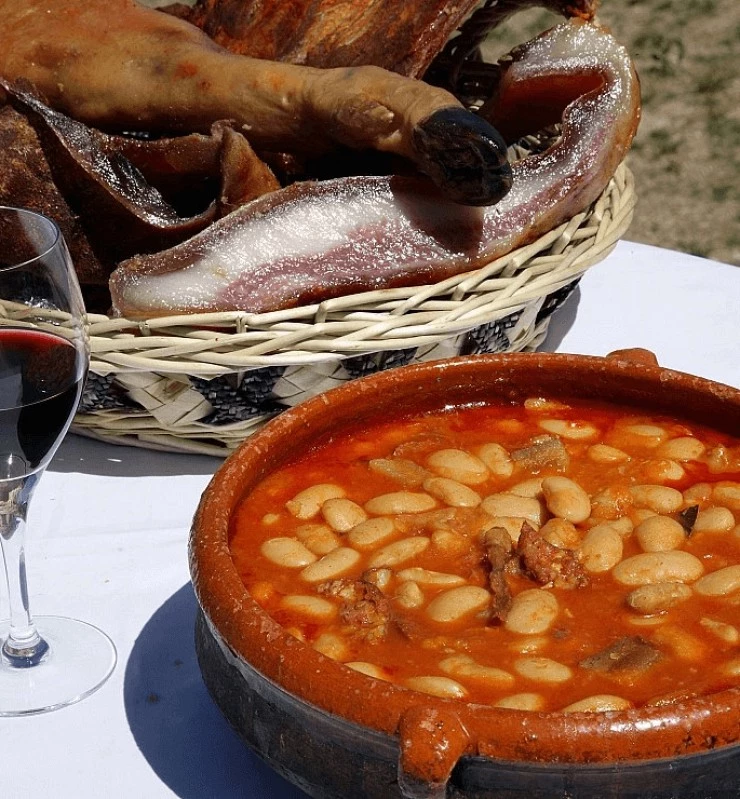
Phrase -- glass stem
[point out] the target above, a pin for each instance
(23, 647)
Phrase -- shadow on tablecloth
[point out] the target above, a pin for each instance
(86, 456)
(561, 322)
(178, 729)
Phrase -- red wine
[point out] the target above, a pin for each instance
(40, 384)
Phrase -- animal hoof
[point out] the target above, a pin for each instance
(464, 155)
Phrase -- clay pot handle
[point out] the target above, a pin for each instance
(432, 741)
(636, 355)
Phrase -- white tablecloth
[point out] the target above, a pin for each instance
(108, 539)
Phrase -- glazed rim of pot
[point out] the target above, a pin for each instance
(436, 732)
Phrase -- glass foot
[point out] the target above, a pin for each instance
(80, 659)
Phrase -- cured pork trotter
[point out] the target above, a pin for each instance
(116, 65)
(313, 241)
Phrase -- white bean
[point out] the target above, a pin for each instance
(508, 426)
(532, 643)
(603, 453)
(661, 499)
(683, 644)
(532, 611)
(660, 533)
(262, 591)
(331, 645)
(399, 551)
(566, 499)
(523, 701)
(296, 633)
(464, 667)
(674, 566)
(459, 465)
(576, 431)
(623, 526)
(543, 670)
(307, 503)
(332, 565)
(317, 537)
(714, 520)
(697, 494)
(450, 543)
(601, 548)
(369, 669)
(309, 605)
(527, 488)
(560, 533)
(409, 595)
(456, 603)
(662, 471)
(451, 492)
(725, 632)
(367, 534)
(611, 503)
(427, 577)
(505, 504)
(646, 621)
(639, 515)
(497, 460)
(403, 471)
(732, 667)
(381, 578)
(342, 514)
(721, 582)
(287, 552)
(658, 597)
(398, 502)
(539, 404)
(728, 493)
(598, 703)
(684, 448)
(443, 687)
(721, 459)
(649, 434)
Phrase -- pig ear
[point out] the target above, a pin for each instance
(123, 213)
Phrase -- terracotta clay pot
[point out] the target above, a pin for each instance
(338, 733)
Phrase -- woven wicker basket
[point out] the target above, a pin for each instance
(202, 383)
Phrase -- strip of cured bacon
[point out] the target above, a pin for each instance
(313, 241)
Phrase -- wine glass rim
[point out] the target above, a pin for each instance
(54, 227)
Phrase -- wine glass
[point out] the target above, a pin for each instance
(44, 357)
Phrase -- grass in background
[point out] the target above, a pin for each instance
(686, 156)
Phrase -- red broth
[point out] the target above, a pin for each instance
(600, 611)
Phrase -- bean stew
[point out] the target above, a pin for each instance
(539, 556)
